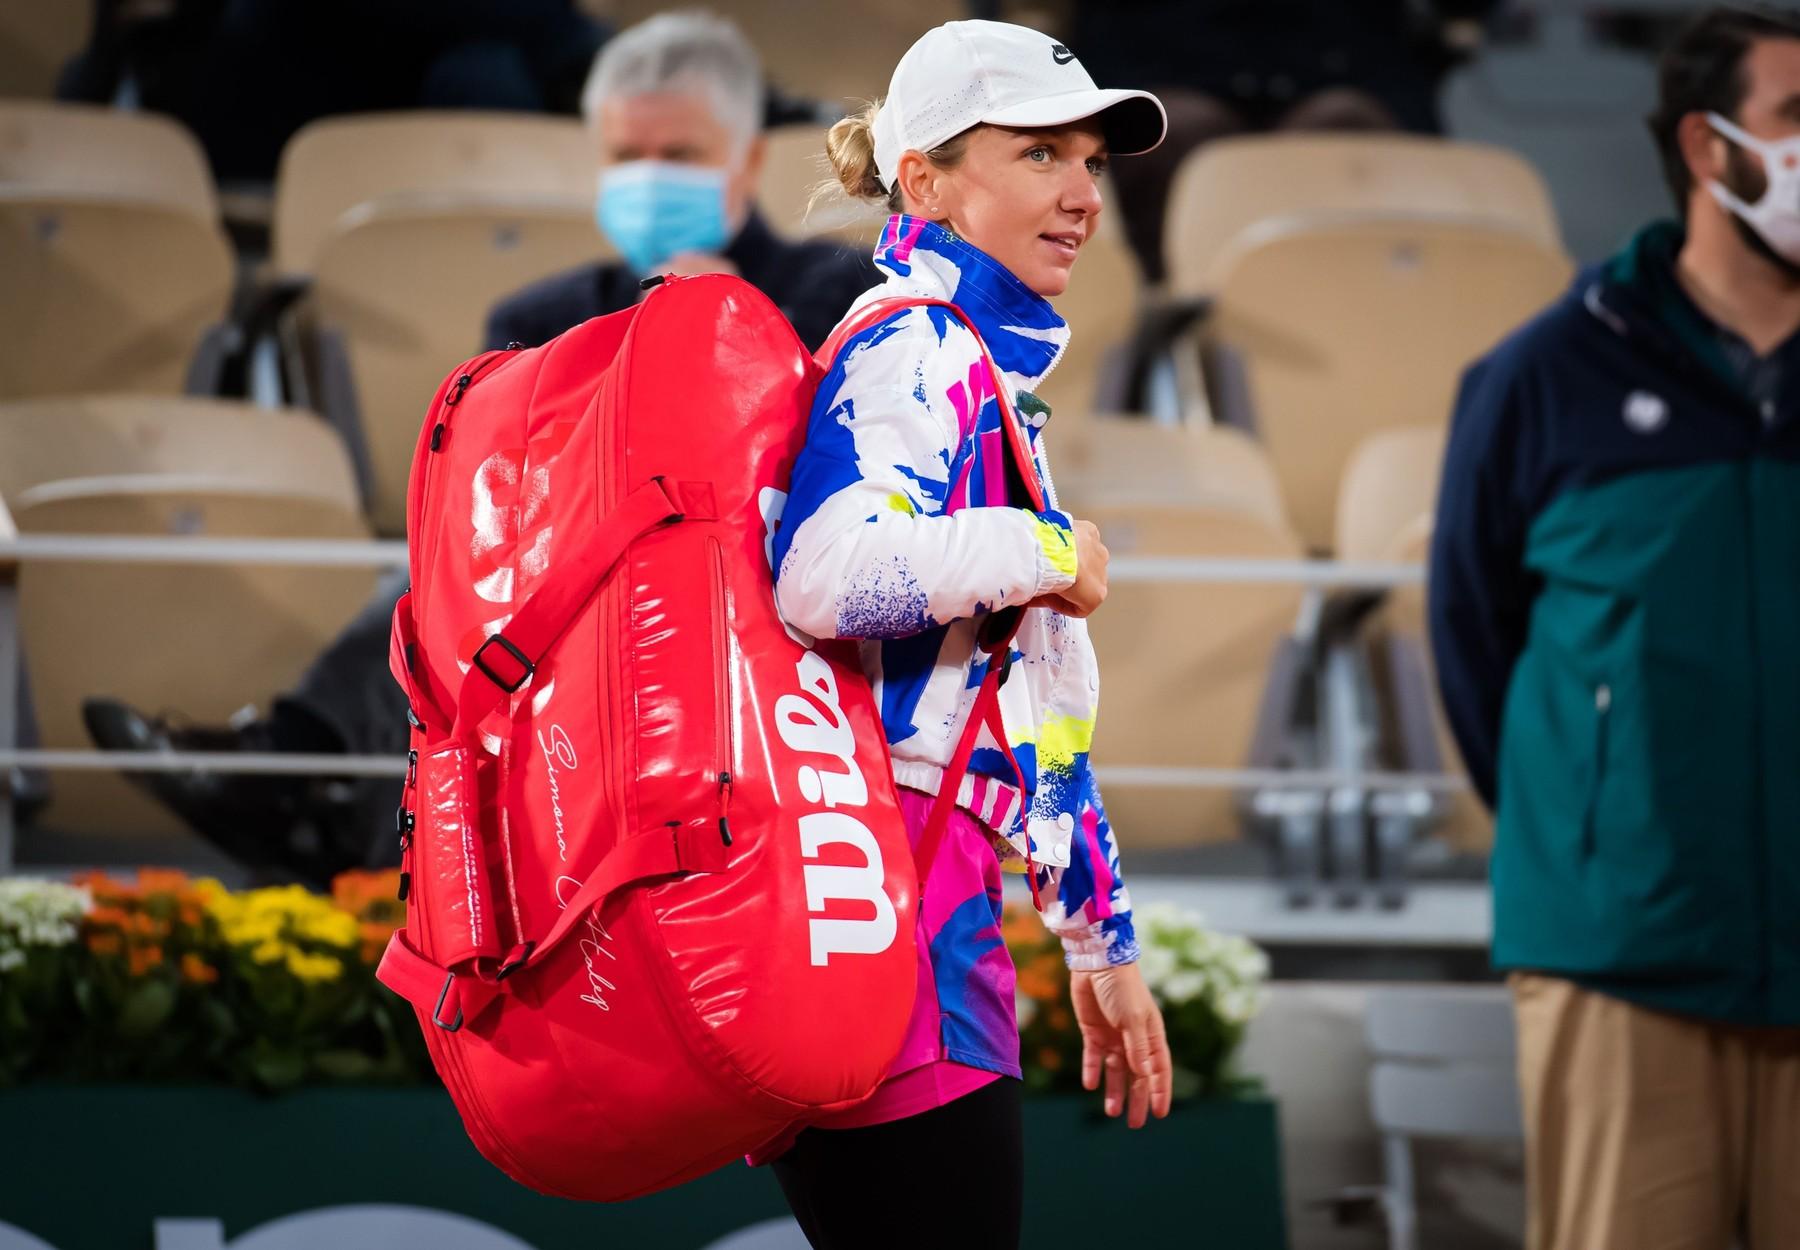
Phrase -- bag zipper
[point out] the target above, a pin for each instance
(406, 820)
(722, 737)
(474, 369)
(423, 465)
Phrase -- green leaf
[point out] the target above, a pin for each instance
(344, 1065)
(277, 1069)
(146, 1008)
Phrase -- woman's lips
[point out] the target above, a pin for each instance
(1064, 245)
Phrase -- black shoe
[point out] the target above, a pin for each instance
(262, 821)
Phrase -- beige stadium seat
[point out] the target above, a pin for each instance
(425, 158)
(1230, 186)
(1101, 307)
(51, 440)
(407, 292)
(1117, 462)
(204, 640)
(36, 41)
(105, 295)
(1348, 328)
(1385, 515)
(793, 168)
(1183, 667)
(81, 151)
(838, 50)
(1390, 486)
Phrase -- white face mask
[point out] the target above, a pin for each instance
(1776, 216)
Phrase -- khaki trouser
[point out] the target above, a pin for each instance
(1647, 1131)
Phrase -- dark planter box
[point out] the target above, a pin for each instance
(92, 1167)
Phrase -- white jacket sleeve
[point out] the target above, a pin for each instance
(867, 548)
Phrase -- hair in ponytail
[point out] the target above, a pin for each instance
(850, 148)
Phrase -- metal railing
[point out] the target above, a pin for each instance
(1316, 575)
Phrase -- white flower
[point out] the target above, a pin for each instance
(1184, 986)
(1156, 963)
(1183, 961)
(10, 959)
(1025, 1007)
(41, 913)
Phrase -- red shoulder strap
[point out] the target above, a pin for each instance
(986, 708)
(880, 310)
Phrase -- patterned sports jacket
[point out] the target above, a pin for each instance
(897, 531)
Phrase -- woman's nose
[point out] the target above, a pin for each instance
(1082, 195)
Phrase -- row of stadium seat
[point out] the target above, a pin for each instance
(1186, 664)
(1347, 280)
(1356, 278)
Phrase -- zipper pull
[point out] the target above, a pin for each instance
(450, 401)
(724, 808)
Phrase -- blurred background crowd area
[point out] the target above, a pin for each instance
(241, 241)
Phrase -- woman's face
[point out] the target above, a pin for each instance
(1028, 198)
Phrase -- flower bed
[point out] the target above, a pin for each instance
(163, 978)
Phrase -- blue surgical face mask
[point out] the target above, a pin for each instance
(656, 210)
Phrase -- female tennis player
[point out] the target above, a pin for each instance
(902, 530)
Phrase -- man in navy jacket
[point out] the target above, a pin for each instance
(1615, 606)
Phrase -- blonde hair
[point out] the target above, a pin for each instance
(850, 148)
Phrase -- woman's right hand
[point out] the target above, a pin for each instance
(1089, 590)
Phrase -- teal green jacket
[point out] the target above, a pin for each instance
(1615, 616)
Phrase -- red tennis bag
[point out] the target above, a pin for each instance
(660, 902)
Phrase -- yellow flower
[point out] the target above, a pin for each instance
(313, 968)
(271, 952)
(251, 932)
(332, 927)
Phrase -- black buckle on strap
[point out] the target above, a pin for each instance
(526, 666)
(437, 1012)
(515, 960)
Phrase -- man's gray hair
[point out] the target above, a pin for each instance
(691, 50)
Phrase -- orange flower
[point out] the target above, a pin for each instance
(1023, 930)
(366, 893)
(192, 914)
(144, 958)
(1058, 1018)
(104, 943)
(1038, 981)
(375, 937)
(109, 918)
(1049, 1059)
(197, 971)
(162, 880)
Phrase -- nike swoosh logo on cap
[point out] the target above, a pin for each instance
(1060, 54)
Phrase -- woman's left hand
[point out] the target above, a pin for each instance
(1122, 1040)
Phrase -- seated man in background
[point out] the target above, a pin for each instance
(1614, 609)
(675, 104)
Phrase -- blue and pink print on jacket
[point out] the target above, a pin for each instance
(899, 530)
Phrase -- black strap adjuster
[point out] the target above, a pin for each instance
(526, 667)
(437, 1013)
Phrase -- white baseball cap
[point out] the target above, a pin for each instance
(962, 74)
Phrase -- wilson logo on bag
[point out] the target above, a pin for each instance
(661, 901)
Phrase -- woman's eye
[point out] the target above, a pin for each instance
(1096, 167)
(1040, 154)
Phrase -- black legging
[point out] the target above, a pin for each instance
(949, 1178)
